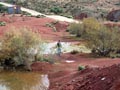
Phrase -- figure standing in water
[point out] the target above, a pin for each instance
(59, 46)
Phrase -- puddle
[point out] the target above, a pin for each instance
(50, 48)
(69, 61)
(23, 81)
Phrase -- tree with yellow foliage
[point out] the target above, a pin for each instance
(81, 29)
(16, 45)
(91, 24)
(101, 39)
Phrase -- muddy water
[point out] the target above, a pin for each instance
(23, 81)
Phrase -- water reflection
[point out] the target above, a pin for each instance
(23, 81)
(50, 48)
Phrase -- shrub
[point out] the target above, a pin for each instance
(81, 68)
(54, 22)
(56, 10)
(52, 25)
(40, 16)
(74, 52)
(2, 23)
(48, 59)
(91, 24)
(104, 41)
(76, 28)
(67, 15)
(27, 14)
(3, 8)
(100, 39)
(81, 29)
(67, 30)
(19, 45)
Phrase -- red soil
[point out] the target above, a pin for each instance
(66, 73)
(43, 67)
(38, 25)
(99, 75)
(96, 79)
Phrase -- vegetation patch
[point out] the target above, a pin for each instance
(48, 59)
(56, 10)
(3, 8)
(74, 52)
(2, 23)
(101, 39)
(40, 16)
(81, 68)
(18, 47)
(52, 25)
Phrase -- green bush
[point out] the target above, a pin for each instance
(2, 23)
(3, 8)
(81, 68)
(56, 10)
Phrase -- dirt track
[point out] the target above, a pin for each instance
(35, 13)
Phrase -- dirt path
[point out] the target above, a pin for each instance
(35, 13)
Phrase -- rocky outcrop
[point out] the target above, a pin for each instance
(114, 15)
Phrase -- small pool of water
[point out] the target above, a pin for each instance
(50, 48)
(23, 81)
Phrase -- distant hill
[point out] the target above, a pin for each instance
(71, 7)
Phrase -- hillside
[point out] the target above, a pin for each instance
(87, 58)
(72, 7)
